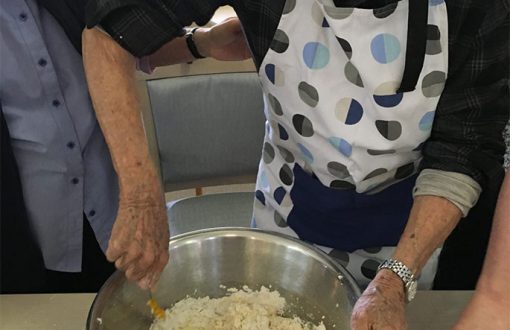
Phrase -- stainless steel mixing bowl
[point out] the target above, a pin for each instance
(316, 287)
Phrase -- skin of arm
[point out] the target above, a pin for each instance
(490, 305)
(139, 241)
(382, 304)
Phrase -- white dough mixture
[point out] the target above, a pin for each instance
(242, 309)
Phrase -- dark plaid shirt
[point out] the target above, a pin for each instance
(473, 109)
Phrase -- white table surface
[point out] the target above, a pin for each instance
(431, 310)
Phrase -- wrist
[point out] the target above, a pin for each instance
(391, 279)
(201, 40)
(138, 178)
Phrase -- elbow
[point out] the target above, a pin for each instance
(97, 44)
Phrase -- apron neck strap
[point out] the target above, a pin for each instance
(416, 44)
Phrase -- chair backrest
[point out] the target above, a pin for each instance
(209, 128)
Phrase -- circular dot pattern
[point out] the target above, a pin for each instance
(306, 153)
(264, 182)
(352, 74)
(373, 250)
(385, 95)
(426, 121)
(317, 15)
(308, 94)
(279, 194)
(302, 125)
(315, 55)
(391, 130)
(380, 152)
(341, 185)
(341, 256)
(385, 11)
(260, 197)
(338, 12)
(268, 153)
(270, 72)
(385, 48)
(286, 154)
(338, 170)
(282, 133)
(369, 268)
(274, 74)
(341, 145)
(346, 46)
(275, 104)
(433, 83)
(280, 42)
(348, 111)
(286, 175)
(289, 6)
(404, 171)
(279, 220)
(433, 40)
(375, 173)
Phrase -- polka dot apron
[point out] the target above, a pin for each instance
(350, 95)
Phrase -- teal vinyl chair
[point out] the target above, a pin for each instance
(209, 131)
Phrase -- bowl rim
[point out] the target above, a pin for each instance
(112, 282)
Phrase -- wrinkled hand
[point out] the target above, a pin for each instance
(224, 41)
(382, 305)
(140, 236)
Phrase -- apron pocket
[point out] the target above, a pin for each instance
(346, 220)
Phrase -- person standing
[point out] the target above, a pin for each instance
(367, 104)
(67, 182)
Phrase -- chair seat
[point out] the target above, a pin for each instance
(209, 211)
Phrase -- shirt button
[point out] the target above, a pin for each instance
(42, 62)
(75, 181)
(70, 145)
(92, 213)
(56, 103)
(23, 17)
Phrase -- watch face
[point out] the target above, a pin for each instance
(411, 289)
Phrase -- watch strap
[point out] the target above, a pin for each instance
(398, 268)
(191, 44)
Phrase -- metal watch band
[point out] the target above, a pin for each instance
(398, 268)
(191, 44)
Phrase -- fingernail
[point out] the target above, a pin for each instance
(144, 283)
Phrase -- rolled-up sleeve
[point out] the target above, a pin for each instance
(143, 26)
(474, 108)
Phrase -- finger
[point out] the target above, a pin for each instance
(133, 253)
(146, 259)
(134, 274)
(152, 276)
(159, 266)
(115, 249)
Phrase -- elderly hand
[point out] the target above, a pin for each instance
(140, 236)
(224, 41)
(382, 304)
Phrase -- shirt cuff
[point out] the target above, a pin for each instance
(143, 64)
(459, 189)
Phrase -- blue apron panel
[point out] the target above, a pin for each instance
(345, 219)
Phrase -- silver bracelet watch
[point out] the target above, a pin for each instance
(405, 274)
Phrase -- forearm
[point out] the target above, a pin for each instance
(431, 220)
(173, 52)
(110, 76)
(494, 283)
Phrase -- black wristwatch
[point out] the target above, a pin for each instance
(191, 44)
